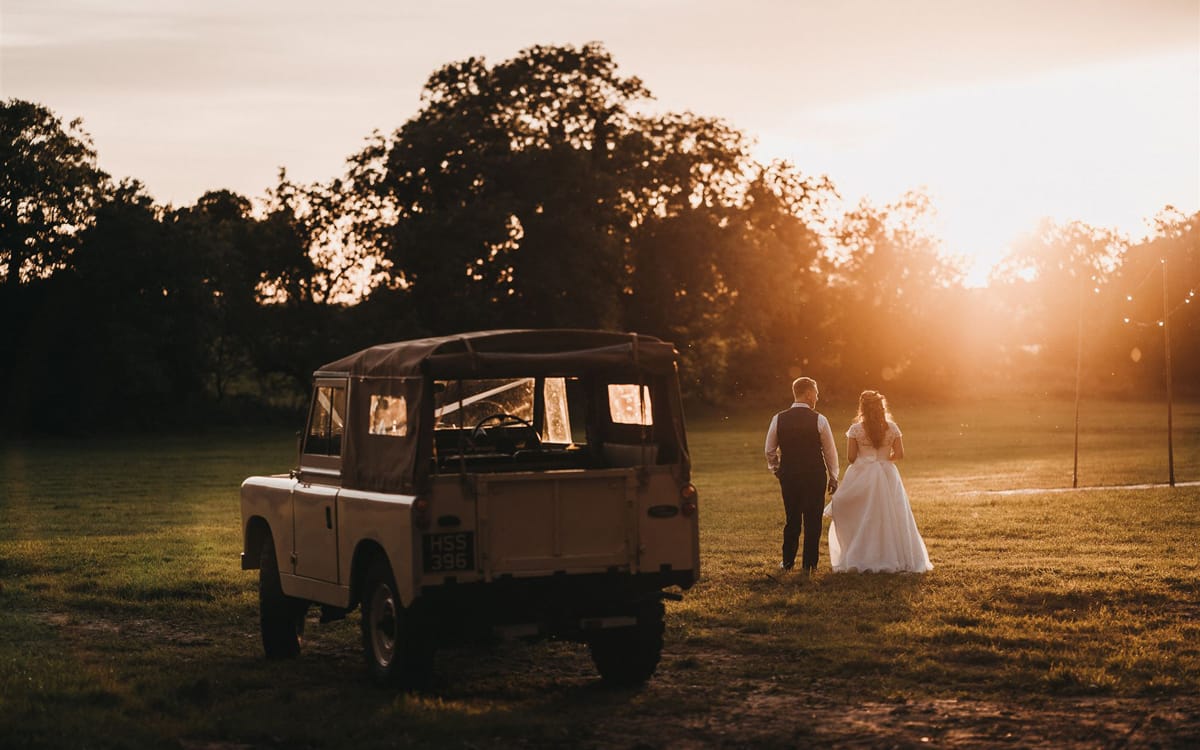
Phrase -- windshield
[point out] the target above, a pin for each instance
(465, 403)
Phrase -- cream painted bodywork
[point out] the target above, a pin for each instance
(525, 525)
(581, 521)
(315, 561)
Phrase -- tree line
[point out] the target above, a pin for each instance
(537, 192)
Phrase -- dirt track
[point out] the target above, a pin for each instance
(795, 721)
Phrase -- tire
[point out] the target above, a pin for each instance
(394, 647)
(626, 657)
(281, 616)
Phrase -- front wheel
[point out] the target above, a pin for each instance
(280, 616)
(392, 647)
(628, 656)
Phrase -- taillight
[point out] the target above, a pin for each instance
(420, 512)
(687, 497)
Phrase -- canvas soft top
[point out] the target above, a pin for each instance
(406, 370)
(501, 353)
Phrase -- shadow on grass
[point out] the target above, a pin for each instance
(533, 694)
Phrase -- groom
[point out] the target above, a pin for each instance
(801, 453)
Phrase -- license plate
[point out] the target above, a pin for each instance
(447, 553)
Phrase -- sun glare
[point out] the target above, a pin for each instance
(1109, 145)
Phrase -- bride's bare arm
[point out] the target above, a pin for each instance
(897, 449)
(851, 449)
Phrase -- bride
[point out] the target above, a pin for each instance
(873, 527)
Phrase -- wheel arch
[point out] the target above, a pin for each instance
(257, 532)
(366, 551)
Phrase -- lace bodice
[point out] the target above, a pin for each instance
(866, 450)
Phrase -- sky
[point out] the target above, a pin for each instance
(1003, 111)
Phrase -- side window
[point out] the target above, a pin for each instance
(326, 422)
(389, 415)
(627, 406)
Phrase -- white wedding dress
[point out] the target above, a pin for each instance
(873, 528)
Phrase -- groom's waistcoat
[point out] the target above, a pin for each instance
(799, 443)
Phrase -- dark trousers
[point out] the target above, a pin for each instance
(803, 504)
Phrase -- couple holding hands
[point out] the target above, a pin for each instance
(872, 528)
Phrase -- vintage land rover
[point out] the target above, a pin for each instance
(522, 483)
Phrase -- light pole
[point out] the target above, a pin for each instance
(1078, 378)
(1166, 325)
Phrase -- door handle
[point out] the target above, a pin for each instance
(328, 517)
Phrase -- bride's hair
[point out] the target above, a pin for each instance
(873, 413)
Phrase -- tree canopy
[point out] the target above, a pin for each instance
(540, 191)
(49, 189)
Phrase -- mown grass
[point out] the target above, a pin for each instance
(125, 620)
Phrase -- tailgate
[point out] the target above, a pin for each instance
(557, 522)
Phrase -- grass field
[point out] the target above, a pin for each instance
(1051, 618)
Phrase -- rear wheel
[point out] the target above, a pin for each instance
(281, 616)
(628, 656)
(394, 648)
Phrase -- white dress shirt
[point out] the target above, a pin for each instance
(828, 448)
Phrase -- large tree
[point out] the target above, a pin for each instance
(49, 189)
(504, 173)
(537, 192)
(532, 190)
(217, 242)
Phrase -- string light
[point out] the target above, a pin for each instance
(1160, 323)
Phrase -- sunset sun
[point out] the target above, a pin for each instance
(1088, 143)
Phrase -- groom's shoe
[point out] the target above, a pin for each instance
(785, 567)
